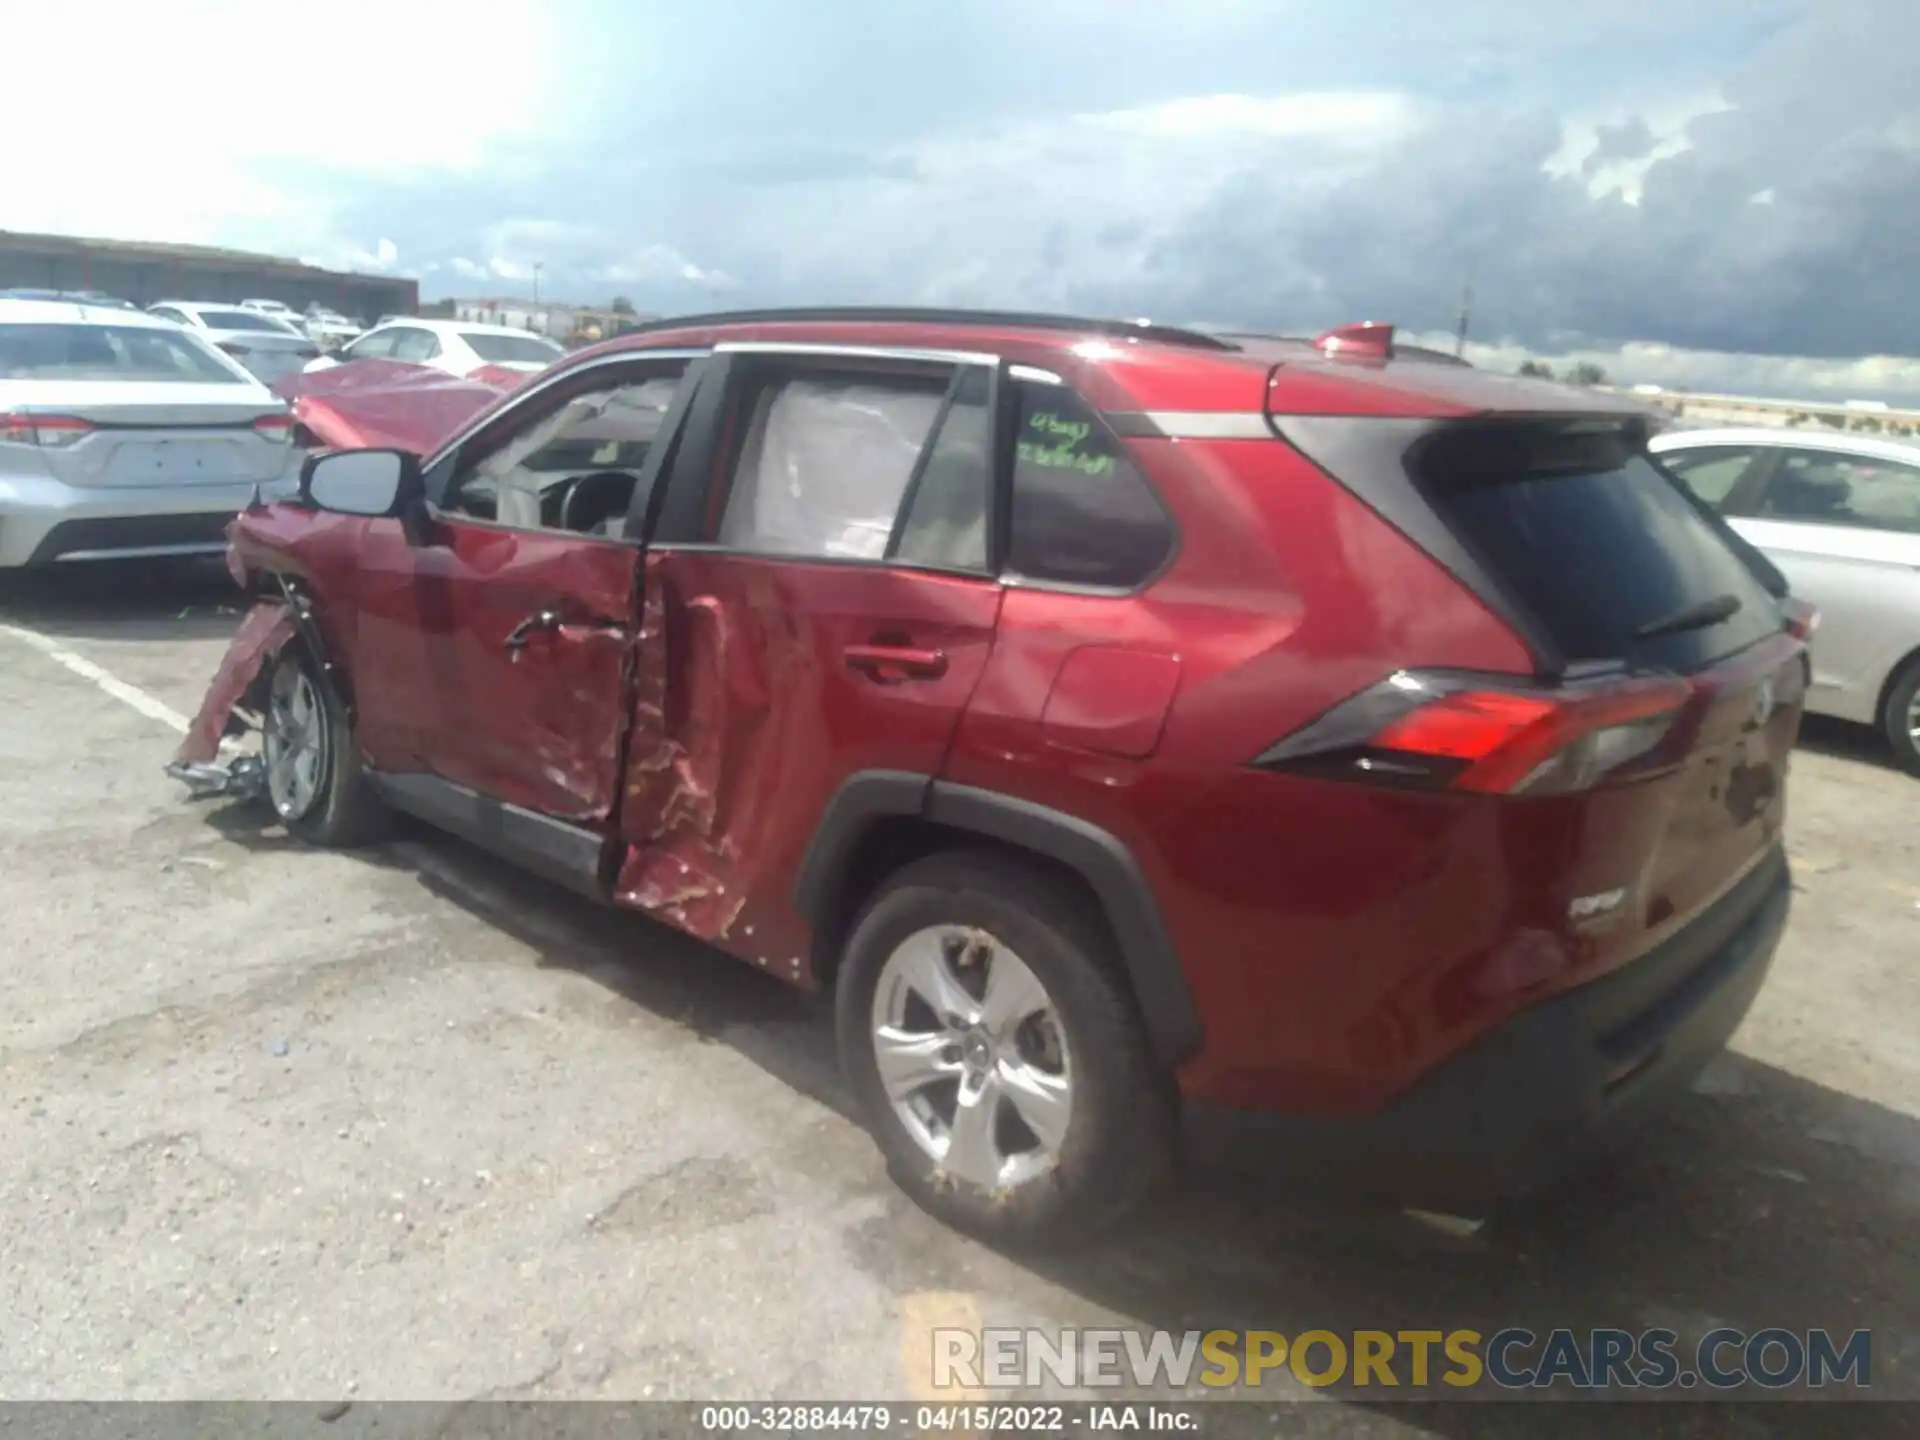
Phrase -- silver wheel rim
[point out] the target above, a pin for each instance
(295, 744)
(972, 1056)
(1913, 719)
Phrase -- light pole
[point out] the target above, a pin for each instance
(535, 317)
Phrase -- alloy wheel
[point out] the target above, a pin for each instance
(972, 1055)
(295, 746)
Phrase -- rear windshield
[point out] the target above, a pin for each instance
(107, 352)
(1603, 548)
(240, 320)
(267, 366)
(511, 349)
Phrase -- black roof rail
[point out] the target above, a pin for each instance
(881, 314)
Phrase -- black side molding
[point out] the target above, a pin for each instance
(1159, 984)
(1108, 867)
(864, 797)
(568, 855)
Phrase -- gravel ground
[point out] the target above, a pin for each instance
(284, 1124)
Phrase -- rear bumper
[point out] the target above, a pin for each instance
(1543, 1092)
(43, 521)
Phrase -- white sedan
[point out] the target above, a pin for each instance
(1839, 513)
(450, 345)
(122, 435)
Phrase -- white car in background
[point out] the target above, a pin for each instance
(450, 345)
(1839, 514)
(265, 344)
(329, 329)
(285, 314)
(123, 435)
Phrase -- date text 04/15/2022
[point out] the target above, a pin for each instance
(962, 1418)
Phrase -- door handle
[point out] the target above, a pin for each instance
(518, 637)
(891, 664)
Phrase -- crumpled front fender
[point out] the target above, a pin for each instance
(261, 636)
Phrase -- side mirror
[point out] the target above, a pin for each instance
(373, 483)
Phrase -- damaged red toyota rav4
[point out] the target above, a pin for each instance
(1142, 733)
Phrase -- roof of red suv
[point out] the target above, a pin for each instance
(1139, 365)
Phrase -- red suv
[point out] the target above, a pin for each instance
(1139, 730)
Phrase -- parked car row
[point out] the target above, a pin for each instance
(458, 347)
(125, 434)
(266, 344)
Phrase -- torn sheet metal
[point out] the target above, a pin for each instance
(680, 867)
(267, 628)
(388, 404)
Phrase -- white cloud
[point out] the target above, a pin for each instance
(1711, 371)
(176, 122)
(1362, 117)
(656, 263)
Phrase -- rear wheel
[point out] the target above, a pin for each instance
(1901, 717)
(314, 778)
(995, 1054)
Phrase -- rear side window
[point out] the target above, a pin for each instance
(107, 352)
(1082, 514)
(1863, 492)
(1596, 542)
(416, 346)
(826, 462)
(377, 346)
(238, 320)
(511, 349)
(945, 519)
(1711, 473)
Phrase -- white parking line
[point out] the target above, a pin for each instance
(119, 689)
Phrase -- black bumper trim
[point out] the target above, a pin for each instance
(1529, 1101)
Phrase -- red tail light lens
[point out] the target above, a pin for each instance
(277, 428)
(1488, 734)
(47, 431)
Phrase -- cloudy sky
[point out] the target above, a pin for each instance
(1723, 193)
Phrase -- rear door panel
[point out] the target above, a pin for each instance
(762, 717)
(766, 681)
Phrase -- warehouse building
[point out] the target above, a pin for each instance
(145, 273)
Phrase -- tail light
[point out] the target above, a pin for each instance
(277, 428)
(1487, 734)
(50, 432)
(1802, 619)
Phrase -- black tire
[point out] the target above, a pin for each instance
(1897, 717)
(344, 810)
(1119, 1142)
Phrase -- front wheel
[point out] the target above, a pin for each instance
(314, 778)
(996, 1055)
(1901, 717)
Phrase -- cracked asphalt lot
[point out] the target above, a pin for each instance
(280, 1123)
